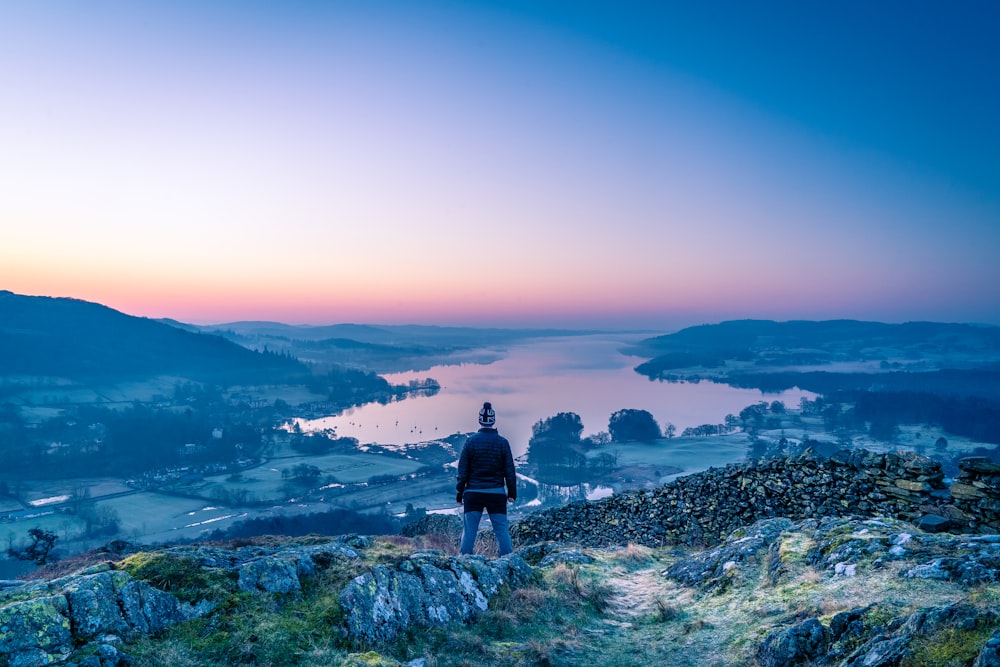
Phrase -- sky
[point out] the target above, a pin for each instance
(614, 165)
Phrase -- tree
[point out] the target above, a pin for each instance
(670, 430)
(604, 462)
(303, 474)
(37, 552)
(631, 424)
(731, 421)
(555, 441)
(598, 439)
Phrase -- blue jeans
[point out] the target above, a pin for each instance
(495, 505)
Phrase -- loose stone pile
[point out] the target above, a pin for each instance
(702, 508)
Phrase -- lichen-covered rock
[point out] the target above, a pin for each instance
(381, 603)
(712, 569)
(798, 645)
(149, 610)
(271, 575)
(450, 593)
(881, 652)
(989, 656)
(855, 639)
(894, 644)
(574, 556)
(426, 589)
(303, 556)
(36, 632)
(93, 604)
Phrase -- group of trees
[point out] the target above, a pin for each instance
(198, 424)
(97, 440)
(559, 450)
(630, 424)
(345, 387)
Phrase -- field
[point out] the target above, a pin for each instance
(193, 510)
(42, 398)
(270, 481)
(196, 508)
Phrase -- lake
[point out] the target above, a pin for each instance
(536, 379)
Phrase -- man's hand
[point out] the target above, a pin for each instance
(509, 499)
(458, 498)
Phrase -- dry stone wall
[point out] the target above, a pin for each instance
(702, 508)
(976, 495)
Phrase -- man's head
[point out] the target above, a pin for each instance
(487, 417)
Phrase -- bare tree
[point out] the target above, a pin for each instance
(42, 542)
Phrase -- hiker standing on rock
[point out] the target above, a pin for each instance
(485, 467)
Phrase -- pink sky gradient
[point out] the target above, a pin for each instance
(496, 165)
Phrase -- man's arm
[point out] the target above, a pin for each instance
(463, 473)
(510, 476)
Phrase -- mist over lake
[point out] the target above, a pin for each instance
(536, 379)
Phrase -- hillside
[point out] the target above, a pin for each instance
(849, 591)
(838, 355)
(79, 340)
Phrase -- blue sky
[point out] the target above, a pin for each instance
(541, 163)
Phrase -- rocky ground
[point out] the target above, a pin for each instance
(845, 592)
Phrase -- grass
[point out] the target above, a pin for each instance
(180, 575)
(953, 647)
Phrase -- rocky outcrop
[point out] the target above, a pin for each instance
(36, 632)
(857, 639)
(853, 547)
(713, 569)
(702, 508)
(840, 546)
(798, 645)
(42, 622)
(270, 574)
(424, 590)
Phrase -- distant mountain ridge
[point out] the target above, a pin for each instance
(76, 339)
(384, 348)
(383, 334)
(766, 343)
(830, 335)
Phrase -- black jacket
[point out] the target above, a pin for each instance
(486, 463)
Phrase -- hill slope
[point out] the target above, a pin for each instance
(825, 357)
(77, 339)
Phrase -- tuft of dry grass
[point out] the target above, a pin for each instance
(633, 556)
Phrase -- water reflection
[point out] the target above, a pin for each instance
(536, 379)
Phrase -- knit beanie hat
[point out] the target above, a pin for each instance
(487, 417)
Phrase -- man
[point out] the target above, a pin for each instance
(485, 468)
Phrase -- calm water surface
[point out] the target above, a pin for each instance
(537, 379)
